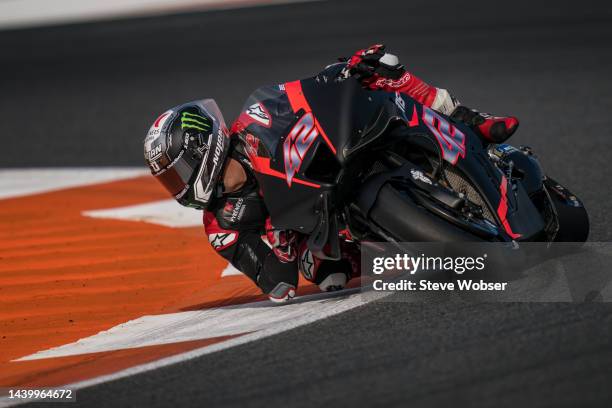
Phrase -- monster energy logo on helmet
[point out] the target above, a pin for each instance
(194, 121)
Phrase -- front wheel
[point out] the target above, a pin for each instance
(401, 218)
(571, 215)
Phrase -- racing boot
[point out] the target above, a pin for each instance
(493, 129)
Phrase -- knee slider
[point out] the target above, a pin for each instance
(283, 292)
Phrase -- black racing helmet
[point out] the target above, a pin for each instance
(186, 150)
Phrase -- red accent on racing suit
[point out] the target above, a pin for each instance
(408, 84)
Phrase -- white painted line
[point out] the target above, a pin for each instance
(337, 305)
(168, 213)
(230, 271)
(23, 182)
(31, 13)
(201, 324)
(329, 305)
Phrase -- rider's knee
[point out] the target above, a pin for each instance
(328, 275)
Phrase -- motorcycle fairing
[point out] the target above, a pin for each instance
(344, 120)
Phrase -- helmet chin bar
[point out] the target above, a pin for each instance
(187, 199)
(201, 193)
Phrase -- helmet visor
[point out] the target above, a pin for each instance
(176, 177)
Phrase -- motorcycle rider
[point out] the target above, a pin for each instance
(199, 161)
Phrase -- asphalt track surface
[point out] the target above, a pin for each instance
(85, 95)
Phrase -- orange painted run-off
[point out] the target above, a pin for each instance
(64, 276)
(53, 372)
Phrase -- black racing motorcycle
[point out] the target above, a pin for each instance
(379, 166)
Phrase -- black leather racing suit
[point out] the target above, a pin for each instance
(234, 223)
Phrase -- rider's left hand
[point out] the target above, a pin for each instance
(283, 242)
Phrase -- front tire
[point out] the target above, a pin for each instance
(400, 217)
(572, 217)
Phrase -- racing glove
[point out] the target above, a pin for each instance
(283, 242)
(376, 69)
(374, 62)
